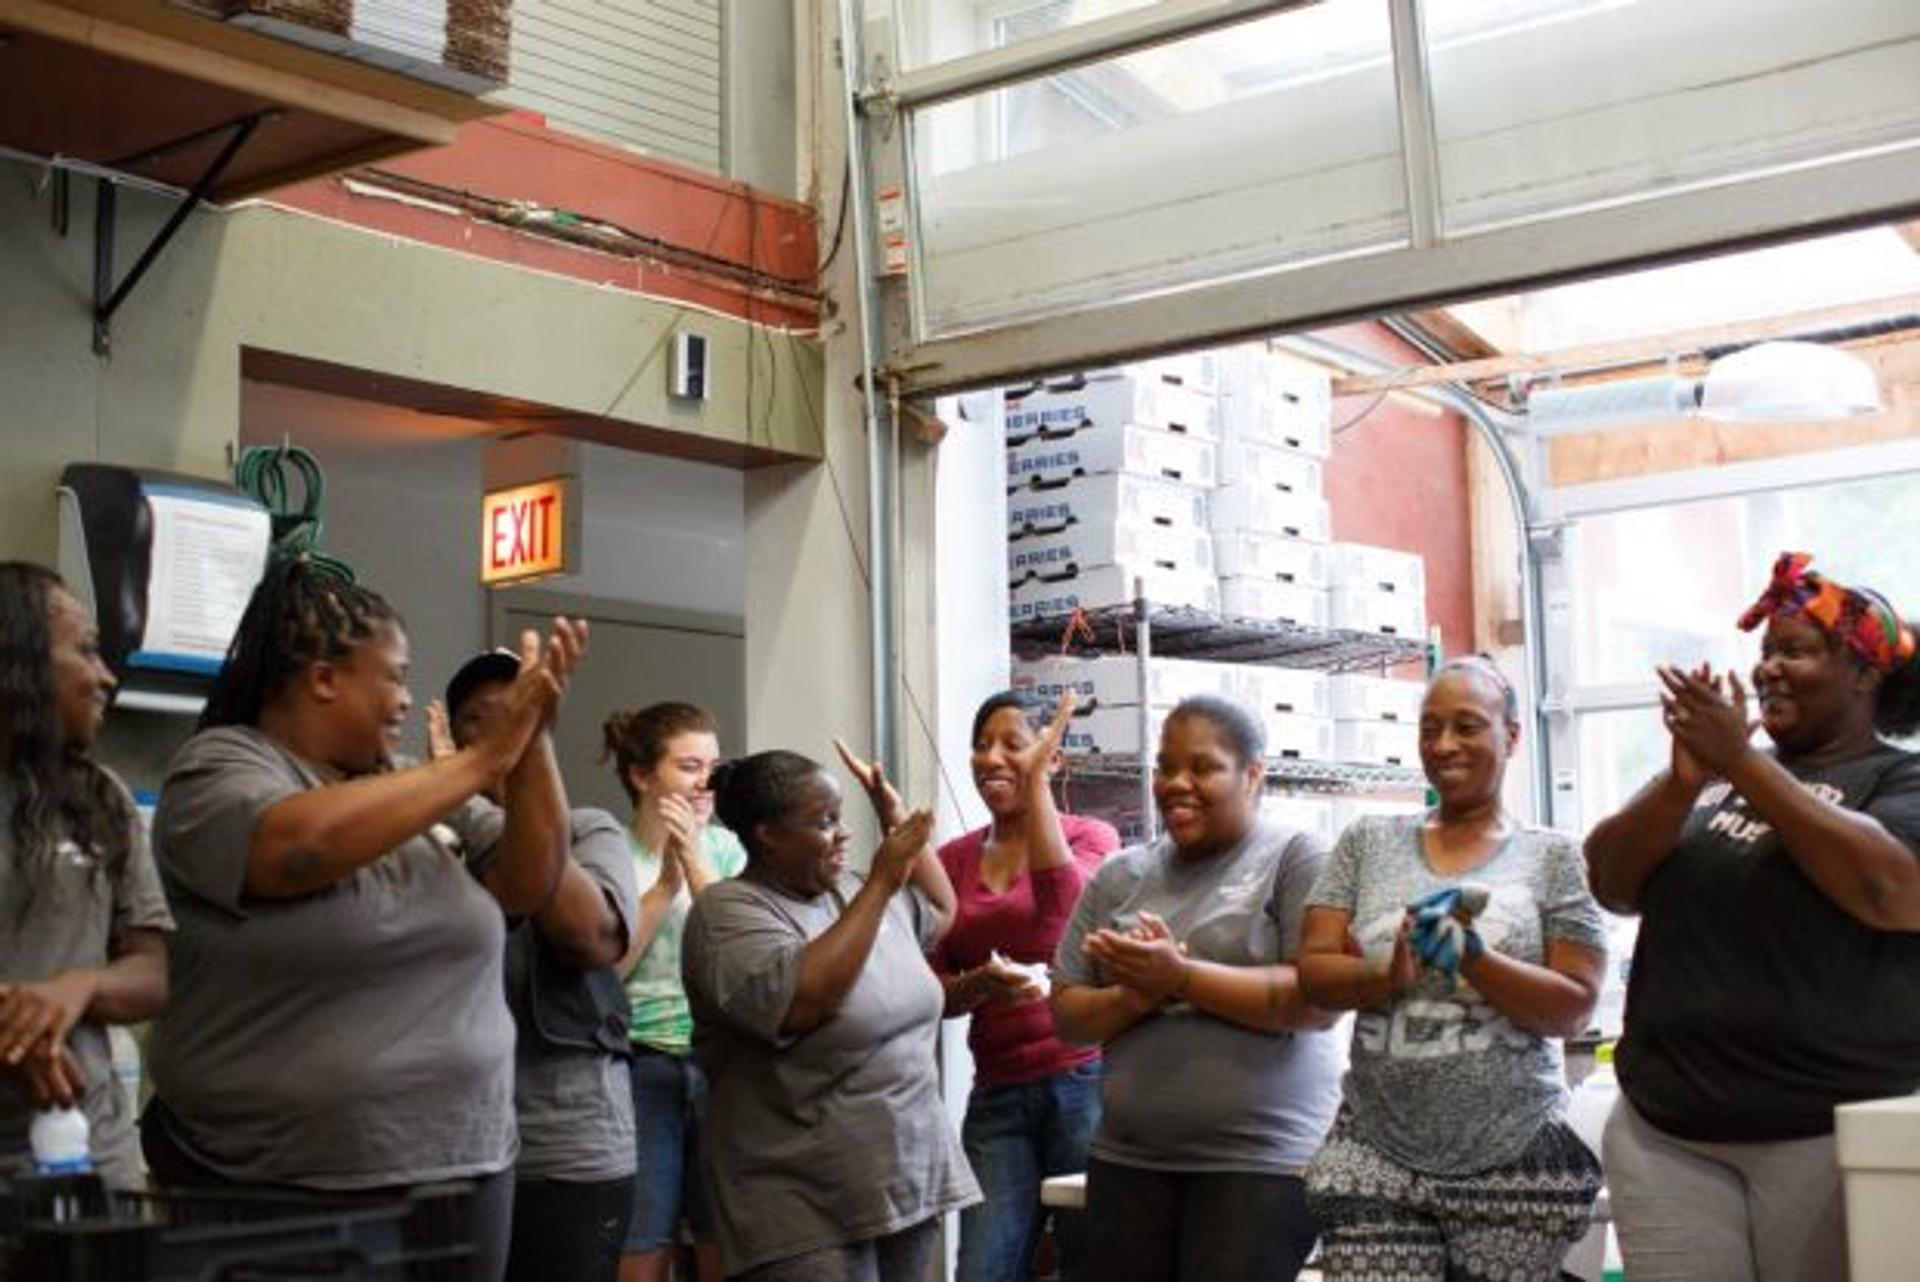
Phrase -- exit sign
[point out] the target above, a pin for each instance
(523, 532)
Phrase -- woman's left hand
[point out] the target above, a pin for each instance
(44, 1011)
(872, 778)
(1707, 720)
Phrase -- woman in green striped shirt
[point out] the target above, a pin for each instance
(664, 753)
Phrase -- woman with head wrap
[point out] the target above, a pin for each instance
(1777, 972)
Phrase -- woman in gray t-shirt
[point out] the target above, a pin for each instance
(82, 921)
(1220, 1080)
(1451, 1157)
(815, 1016)
(338, 1019)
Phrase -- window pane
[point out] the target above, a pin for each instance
(1551, 105)
(940, 30)
(1266, 144)
(1665, 585)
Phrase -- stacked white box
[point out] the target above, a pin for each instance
(1365, 610)
(1135, 548)
(1237, 508)
(1270, 467)
(1376, 743)
(1309, 814)
(1362, 698)
(1126, 449)
(1092, 502)
(1109, 681)
(1129, 399)
(1111, 732)
(1275, 601)
(1361, 565)
(1244, 554)
(1297, 737)
(1110, 585)
(1300, 691)
(1275, 398)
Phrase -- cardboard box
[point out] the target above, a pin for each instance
(1362, 698)
(1309, 814)
(1114, 680)
(1265, 511)
(1137, 400)
(1297, 737)
(1110, 585)
(1388, 613)
(1377, 743)
(1359, 565)
(1133, 547)
(1092, 501)
(1111, 732)
(1244, 462)
(1271, 599)
(1276, 399)
(1245, 554)
(1126, 449)
(1290, 690)
(1197, 370)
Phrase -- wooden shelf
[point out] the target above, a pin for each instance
(109, 81)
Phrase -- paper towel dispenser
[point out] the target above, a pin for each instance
(166, 563)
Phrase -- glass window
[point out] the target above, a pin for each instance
(1279, 137)
(1546, 106)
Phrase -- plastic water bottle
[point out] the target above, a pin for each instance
(59, 1140)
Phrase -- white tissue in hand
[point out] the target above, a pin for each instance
(1036, 972)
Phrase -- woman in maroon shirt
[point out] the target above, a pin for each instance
(1036, 1100)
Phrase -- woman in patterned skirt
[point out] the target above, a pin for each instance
(1468, 943)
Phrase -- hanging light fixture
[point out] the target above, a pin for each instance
(1786, 382)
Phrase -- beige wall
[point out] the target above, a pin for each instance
(261, 277)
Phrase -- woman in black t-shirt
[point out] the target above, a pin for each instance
(1777, 972)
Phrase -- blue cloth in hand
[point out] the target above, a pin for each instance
(1443, 936)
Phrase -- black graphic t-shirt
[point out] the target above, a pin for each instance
(1755, 1004)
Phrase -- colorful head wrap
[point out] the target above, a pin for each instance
(1860, 617)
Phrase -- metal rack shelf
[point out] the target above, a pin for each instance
(1180, 632)
(1306, 776)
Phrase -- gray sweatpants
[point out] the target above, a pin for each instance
(1693, 1212)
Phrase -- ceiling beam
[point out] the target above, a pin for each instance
(1633, 351)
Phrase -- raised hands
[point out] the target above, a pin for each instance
(1707, 717)
(1031, 761)
(872, 778)
(906, 841)
(534, 697)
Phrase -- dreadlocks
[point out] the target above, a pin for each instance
(59, 792)
(304, 611)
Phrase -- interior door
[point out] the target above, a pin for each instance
(636, 655)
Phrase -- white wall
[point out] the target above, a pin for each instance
(403, 506)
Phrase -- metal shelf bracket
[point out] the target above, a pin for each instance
(108, 296)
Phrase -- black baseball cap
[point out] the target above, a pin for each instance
(483, 668)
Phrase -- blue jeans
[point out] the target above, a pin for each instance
(1015, 1137)
(669, 1105)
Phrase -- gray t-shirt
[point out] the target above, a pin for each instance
(66, 921)
(837, 1135)
(1184, 1090)
(351, 1038)
(576, 1104)
(1443, 1082)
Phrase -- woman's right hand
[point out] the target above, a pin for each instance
(1033, 759)
(906, 841)
(1685, 768)
(51, 1077)
(1403, 967)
